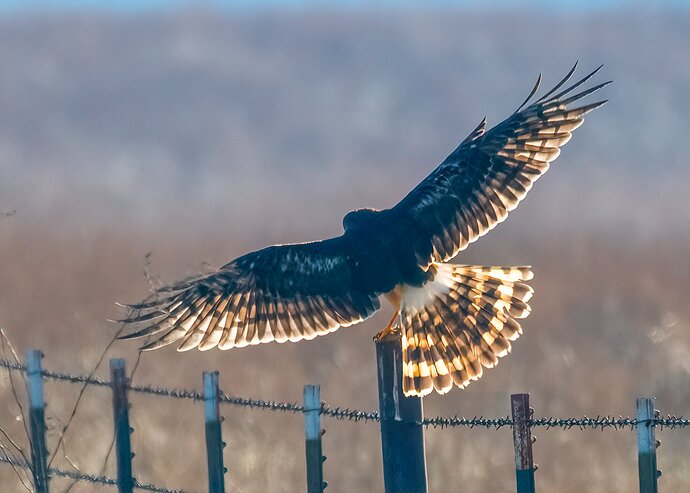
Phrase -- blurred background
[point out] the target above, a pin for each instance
(200, 131)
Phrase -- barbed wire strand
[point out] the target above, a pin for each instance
(599, 422)
(9, 454)
(6, 343)
(111, 445)
(75, 408)
(90, 478)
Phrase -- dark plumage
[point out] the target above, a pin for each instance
(453, 319)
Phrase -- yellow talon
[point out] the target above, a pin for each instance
(391, 329)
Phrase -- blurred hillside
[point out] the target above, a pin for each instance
(199, 135)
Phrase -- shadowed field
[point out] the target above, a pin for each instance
(201, 135)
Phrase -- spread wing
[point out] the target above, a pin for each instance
(490, 172)
(281, 293)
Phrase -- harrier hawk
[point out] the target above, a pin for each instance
(453, 319)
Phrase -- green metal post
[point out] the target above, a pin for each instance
(214, 440)
(522, 440)
(646, 446)
(37, 422)
(313, 432)
(123, 431)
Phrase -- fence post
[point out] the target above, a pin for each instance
(214, 440)
(37, 422)
(313, 432)
(522, 440)
(402, 433)
(646, 446)
(123, 431)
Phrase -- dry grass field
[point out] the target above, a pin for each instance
(200, 135)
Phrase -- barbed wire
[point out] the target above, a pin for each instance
(350, 414)
(600, 422)
(89, 478)
(356, 415)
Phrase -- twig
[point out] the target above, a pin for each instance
(112, 441)
(66, 453)
(14, 444)
(81, 394)
(10, 455)
(151, 283)
(7, 344)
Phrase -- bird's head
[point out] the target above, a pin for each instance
(357, 217)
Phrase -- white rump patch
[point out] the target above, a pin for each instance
(413, 299)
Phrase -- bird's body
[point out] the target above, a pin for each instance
(454, 320)
(385, 256)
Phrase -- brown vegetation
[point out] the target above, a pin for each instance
(199, 137)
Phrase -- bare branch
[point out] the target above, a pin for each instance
(6, 344)
(152, 281)
(81, 394)
(11, 455)
(14, 444)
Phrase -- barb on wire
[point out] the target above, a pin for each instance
(350, 414)
(89, 478)
(82, 390)
(261, 404)
(599, 422)
(476, 422)
(8, 454)
(111, 445)
(7, 345)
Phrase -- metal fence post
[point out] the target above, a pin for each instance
(37, 421)
(522, 440)
(402, 433)
(646, 446)
(313, 432)
(214, 440)
(123, 431)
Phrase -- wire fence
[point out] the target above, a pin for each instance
(357, 415)
(517, 422)
(89, 478)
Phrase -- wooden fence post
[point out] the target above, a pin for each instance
(522, 440)
(123, 431)
(37, 422)
(402, 433)
(214, 440)
(646, 446)
(313, 432)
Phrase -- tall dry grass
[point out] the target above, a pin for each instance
(198, 137)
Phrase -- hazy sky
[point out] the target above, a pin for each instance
(137, 5)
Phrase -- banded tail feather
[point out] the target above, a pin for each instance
(453, 326)
(459, 323)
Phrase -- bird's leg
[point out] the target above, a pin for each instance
(389, 330)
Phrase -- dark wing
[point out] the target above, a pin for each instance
(281, 293)
(490, 172)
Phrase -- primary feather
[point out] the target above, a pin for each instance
(489, 173)
(281, 293)
(454, 320)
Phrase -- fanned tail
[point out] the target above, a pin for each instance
(459, 323)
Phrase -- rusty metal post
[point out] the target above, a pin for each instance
(522, 440)
(123, 431)
(646, 446)
(402, 433)
(214, 439)
(313, 432)
(37, 422)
